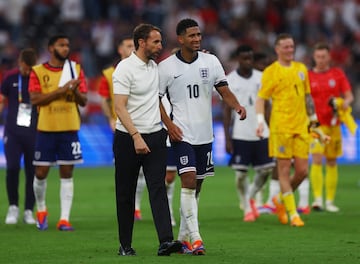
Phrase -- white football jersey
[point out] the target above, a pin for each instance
(246, 91)
(190, 86)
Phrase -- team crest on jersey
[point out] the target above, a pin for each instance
(37, 155)
(332, 83)
(302, 76)
(282, 149)
(237, 159)
(204, 73)
(184, 160)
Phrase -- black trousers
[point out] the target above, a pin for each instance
(127, 165)
(16, 146)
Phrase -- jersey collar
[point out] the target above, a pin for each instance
(178, 55)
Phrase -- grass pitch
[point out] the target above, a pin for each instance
(326, 238)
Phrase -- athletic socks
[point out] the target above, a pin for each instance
(290, 205)
(183, 230)
(331, 182)
(303, 191)
(260, 178)
(242, 183)
(40, 193)
(189, 213)
(316, 178)
(66, 197)
(170, 194)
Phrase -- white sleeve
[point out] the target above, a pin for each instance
(121, 78)
(219, 72)
(163, 80)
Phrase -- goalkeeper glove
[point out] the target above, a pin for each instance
(317, 133)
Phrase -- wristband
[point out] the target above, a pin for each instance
(137, 132)
(260, 118)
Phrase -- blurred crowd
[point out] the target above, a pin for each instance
(96, 26)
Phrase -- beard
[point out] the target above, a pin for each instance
(152, 55)
(59, 56)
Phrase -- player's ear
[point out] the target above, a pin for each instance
(142, 43)
(180, 39)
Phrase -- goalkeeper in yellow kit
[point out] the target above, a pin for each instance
(285, 82)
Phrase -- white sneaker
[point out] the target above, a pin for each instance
(28, 217)
(330, 207)
(12, 215)
(317, 205)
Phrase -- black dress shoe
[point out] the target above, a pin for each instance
(166, 248)
(127, 251)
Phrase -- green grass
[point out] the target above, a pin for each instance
(326, 238)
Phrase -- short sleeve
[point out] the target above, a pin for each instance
(121, 79)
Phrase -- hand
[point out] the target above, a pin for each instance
(229, 146)
(242, 112)
(345, 105)
(73, 84)
(112, 123)
(175, 133)
(140, 145)
(260, 130)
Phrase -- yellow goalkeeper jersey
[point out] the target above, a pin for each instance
(286, 87)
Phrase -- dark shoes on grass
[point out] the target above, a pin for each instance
(165, 249)
(127, 251)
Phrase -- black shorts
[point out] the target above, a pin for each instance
(196, 158)
(254, 153)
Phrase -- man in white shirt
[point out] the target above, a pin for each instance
(140, 140)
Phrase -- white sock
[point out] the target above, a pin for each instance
(259, 197)
(274, 189)
(303, 191)
(66, 197)
(141, 183)
(256, 189)
(170, 194)
(189, 209)
(247, 207)
(40, 193)
(183, 230)
(259, 181)
(242, 185)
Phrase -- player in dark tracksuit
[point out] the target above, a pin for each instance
(19, 135)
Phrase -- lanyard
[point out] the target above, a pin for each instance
(20, 88)
(71, 71)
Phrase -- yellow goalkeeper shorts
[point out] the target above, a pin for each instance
(288, 146)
